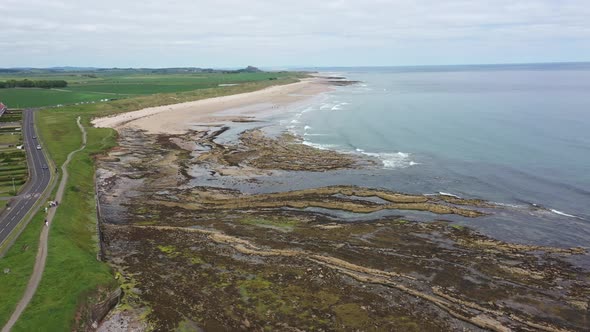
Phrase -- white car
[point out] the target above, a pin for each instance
(38, 147)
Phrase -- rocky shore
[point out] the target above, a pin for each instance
(214, 258)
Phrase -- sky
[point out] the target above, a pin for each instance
(281, 34)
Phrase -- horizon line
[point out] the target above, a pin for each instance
(308, 66)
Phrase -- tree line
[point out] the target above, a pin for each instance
(26, 83)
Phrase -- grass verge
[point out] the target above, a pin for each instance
(19, 260)
(72, 271)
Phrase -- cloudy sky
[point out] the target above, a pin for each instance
(277, 33)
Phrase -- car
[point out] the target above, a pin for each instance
(34, 137)
(38, 147)
(45, 167)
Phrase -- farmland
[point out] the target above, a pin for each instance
(97, 86)
(13, 165)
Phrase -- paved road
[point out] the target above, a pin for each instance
(38, 179)
(41, 257)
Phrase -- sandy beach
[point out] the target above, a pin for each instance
(179, 118)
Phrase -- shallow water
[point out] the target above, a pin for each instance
(513, 135)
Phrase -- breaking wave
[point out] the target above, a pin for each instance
(320, 146)
(538, 208)
(448, 194)
(388, 160)
(564, 214)
(335, 106)
(508, 205)
(391, 160)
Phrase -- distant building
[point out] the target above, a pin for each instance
(3, 109)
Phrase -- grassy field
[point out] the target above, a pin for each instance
(121, 85)
(10, 139)
(32, 97)
(72, 273)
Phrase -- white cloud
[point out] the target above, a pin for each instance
(306, 32)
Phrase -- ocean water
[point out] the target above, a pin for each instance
(515, 135)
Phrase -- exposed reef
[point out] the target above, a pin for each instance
(258, 151)
(337, 80)
(215, 258)
(343, 198)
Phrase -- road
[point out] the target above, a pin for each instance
(39, 179)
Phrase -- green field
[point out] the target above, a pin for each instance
(73, 276)
(21, 98)
(120, 84)
(10, 139)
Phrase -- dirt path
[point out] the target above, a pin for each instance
(42, 252)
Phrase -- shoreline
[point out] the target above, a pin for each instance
(182, 117)
(159, 222)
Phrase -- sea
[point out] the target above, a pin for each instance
(514, 135)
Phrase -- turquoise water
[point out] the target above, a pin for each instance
(517, 135)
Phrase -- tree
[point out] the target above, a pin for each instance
(26, 83)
